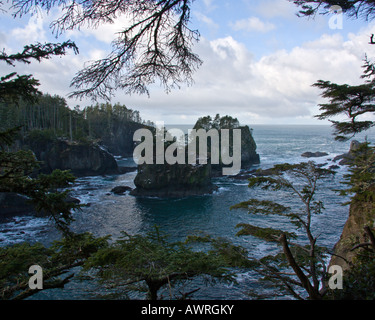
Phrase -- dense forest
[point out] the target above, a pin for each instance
(52, 116)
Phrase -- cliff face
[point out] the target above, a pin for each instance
(173, 181)
(361, 214)
(181, 180)
(362, 207)
(83, 159)
(120, 141)
(249, 155)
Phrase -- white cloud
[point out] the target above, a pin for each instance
(252, 24)
(209, 4)
(105, 33)
(276, 8)
(276, 87)
(208, 21)
(33, 32)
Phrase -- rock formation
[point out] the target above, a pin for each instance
(347, 157)
(83, 159)
(173, 181)
(249, 156)
(317, 154)
(120, 141)
(361, 214)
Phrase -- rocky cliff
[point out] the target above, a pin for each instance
(120, 141)
(361, 214)
(83, 159)
(249, 156)
(362, 206)
(173, 181)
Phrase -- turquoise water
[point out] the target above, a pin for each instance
(107, 213)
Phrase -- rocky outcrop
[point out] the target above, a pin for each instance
(121, 189)
(120, 141)
(249, 156)
(173, 181)
(345, 158)
(12, 204)
(317, 154)
(83, 159)
(182, 180)
(361, 214)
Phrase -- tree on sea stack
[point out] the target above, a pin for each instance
(300, 265)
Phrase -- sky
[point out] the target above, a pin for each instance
(259, 61)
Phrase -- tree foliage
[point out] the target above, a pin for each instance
(351, 101)
(56, 261)
(14, 86)
(360, 178)
(155, 261)
(226, 122)
(49, 117)
(299, 265)
(364, 9)
(156, 46)
(17, 166)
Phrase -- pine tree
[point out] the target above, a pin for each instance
(352, 101)
(300, 265)
(134, 262)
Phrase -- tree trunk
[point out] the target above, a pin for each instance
(313, 292)
(154, 286)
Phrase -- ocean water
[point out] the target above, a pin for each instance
(107, 213)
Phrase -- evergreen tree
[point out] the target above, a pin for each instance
(352, 101)
(156, 46)
(363, 9)
(14, 86)
(16, 167)
(152, 262)
(301, 264)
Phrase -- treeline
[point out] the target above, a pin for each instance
(52, 115)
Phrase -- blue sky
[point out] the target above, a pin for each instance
(260, 61)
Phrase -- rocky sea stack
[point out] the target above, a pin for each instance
(173, 181)
(191, 179)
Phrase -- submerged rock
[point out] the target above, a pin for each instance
(121, 189)
(317, 154)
